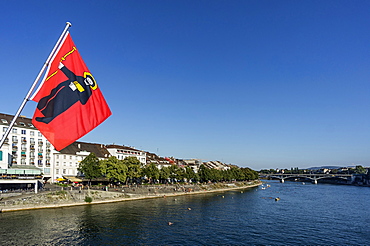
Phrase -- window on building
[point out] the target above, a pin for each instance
(57, 163)
(23, 132)
(22, 124)
(56, 171)
(14, 130)
(4, 129)
(39, 134)
(46, 170)
(64, 171)
(32, 133)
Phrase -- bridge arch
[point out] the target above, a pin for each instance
(313, 177)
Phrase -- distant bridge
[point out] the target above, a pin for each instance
(313, 177)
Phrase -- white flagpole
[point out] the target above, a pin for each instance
(27, 98)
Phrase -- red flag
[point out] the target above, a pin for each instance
(70, 103)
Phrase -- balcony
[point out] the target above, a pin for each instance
(40, 142)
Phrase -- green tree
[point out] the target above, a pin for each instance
(190, 174)
(114, 169)
(249, 174)
(236, 173)
(90, 167)
(204, 173)
(152, 172)
(215, 175)
(360, 170)
(176, 172)
(164, 174)
(227, 175)
(134, 169)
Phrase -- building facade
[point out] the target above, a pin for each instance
(67, 160)
(27, 149)
(25, 146)
(121, 152)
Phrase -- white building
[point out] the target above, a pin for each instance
(216, 165)
(160, 162)
(25, 146)
(121, 152)
(68, 159)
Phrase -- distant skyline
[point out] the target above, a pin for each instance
(260, 84)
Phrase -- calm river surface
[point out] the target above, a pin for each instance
(307, 214)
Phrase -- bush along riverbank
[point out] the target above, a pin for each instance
(74, 196)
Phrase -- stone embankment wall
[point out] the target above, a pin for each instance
(62, 196)
(65, 196)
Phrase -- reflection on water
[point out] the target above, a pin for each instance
(306, 214)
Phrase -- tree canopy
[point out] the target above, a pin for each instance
(114, 169)
(131, 170)
(90, 167)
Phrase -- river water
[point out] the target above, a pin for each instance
(306, 214)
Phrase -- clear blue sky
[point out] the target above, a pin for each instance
(260, 84)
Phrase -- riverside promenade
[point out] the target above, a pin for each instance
(67, 196)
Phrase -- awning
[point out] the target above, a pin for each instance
(72, 179)
(60, 179)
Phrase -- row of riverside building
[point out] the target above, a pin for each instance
(27, 151)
